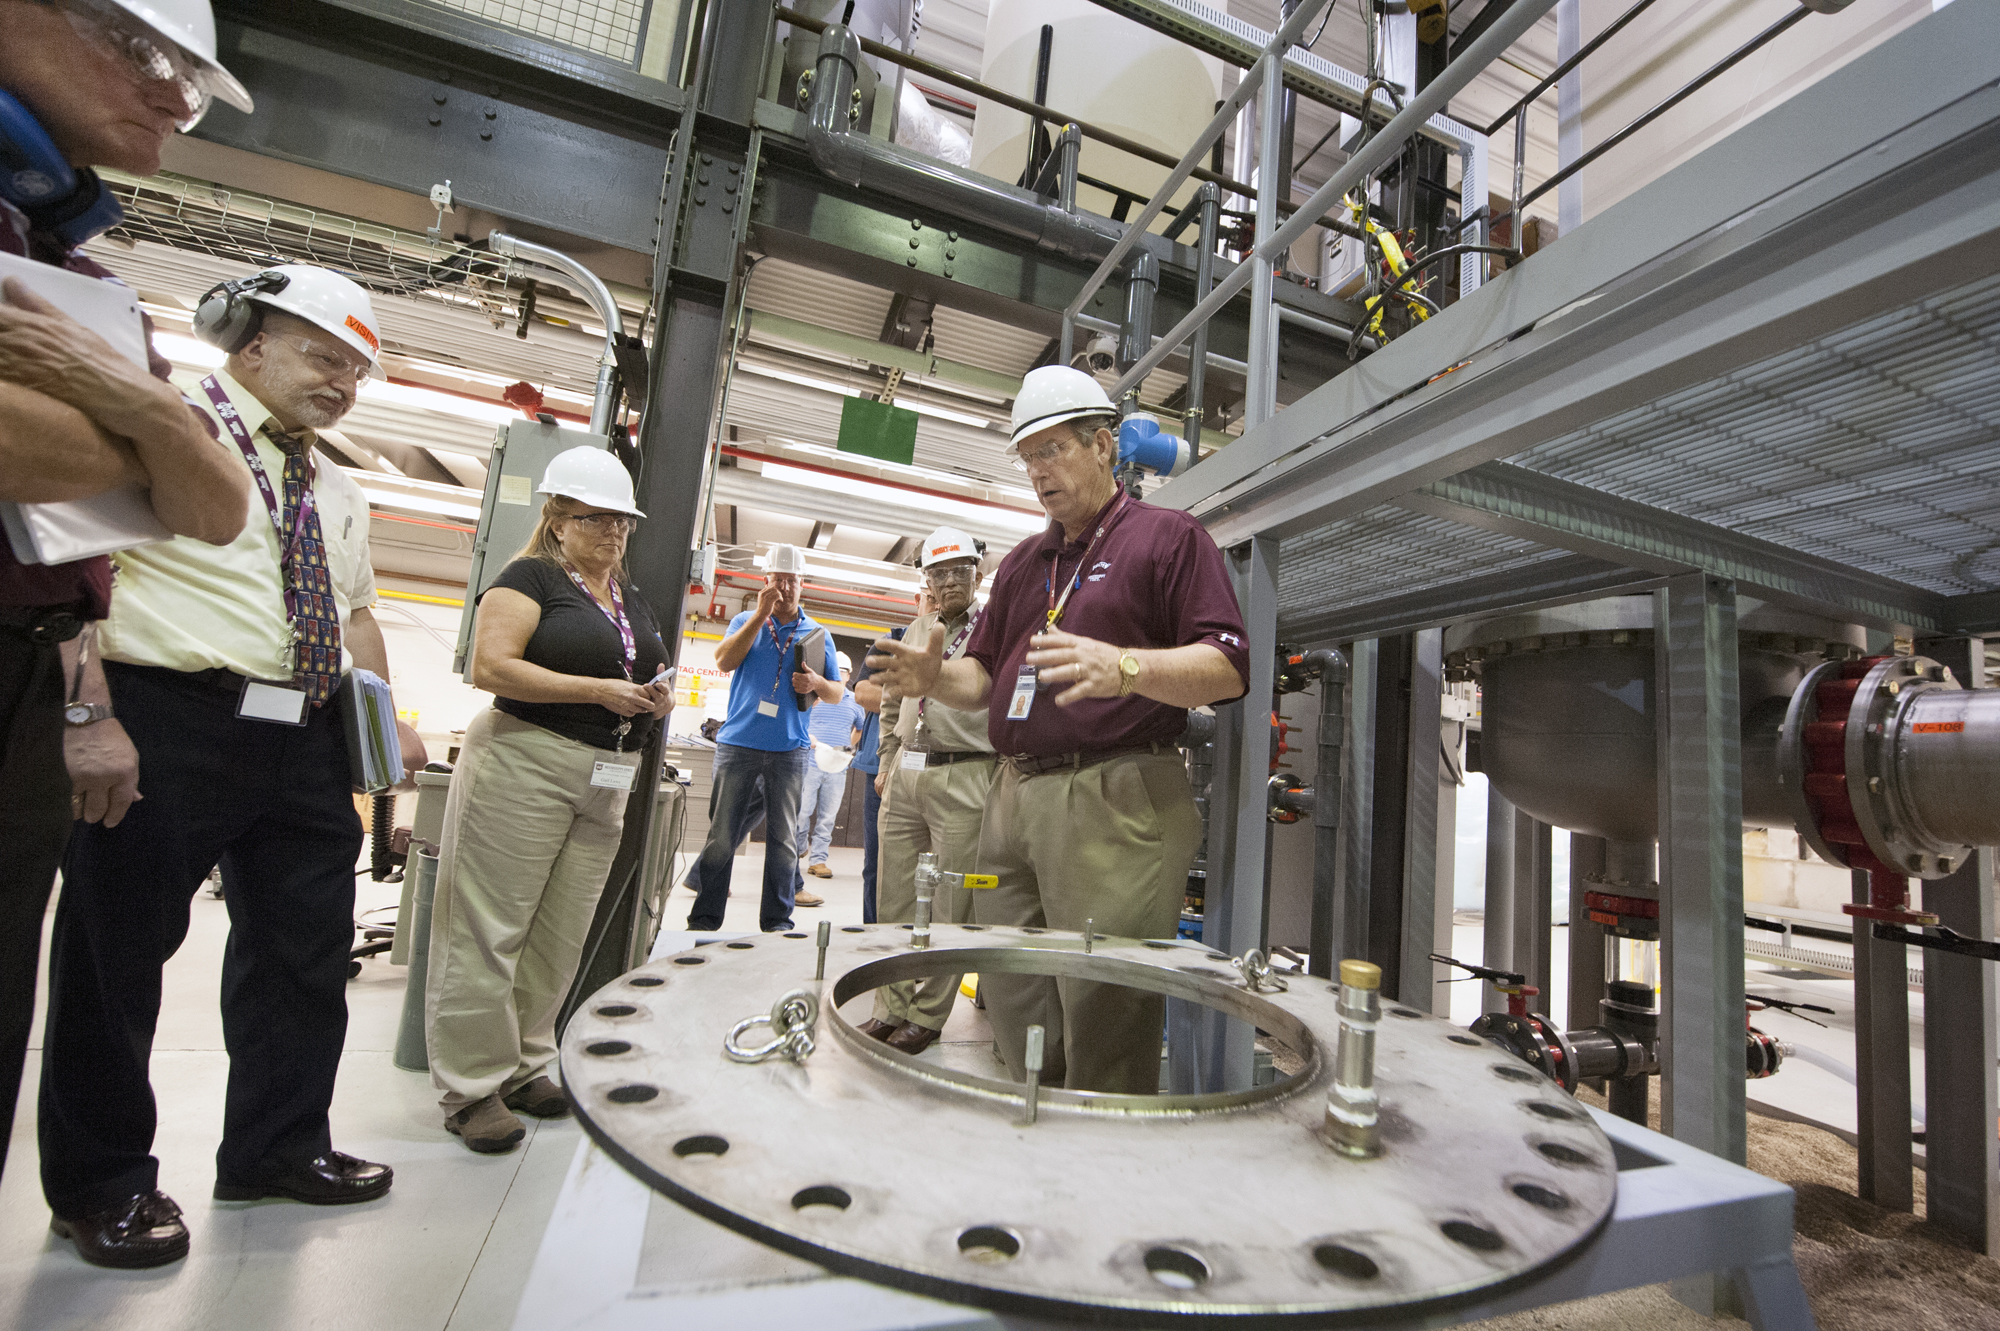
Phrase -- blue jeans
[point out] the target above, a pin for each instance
(871, 847)
(819, 803)
(732, 811)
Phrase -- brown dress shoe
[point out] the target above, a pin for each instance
(540, 1097)
(879, 1030)
(911, 1038)
(140, 1231)
(333, 1179)
(805, 898)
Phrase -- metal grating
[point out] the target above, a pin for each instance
(1877, 446)
(603, 27)
(1388, 551)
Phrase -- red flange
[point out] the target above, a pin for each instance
(1832, 803)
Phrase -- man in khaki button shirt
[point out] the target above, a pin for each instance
(939, 767)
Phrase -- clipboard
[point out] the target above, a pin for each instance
(117, 519)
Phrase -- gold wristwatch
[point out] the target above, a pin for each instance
(1128, 673)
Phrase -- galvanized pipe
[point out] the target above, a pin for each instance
(1142, 284)
(568, 272)
(1208, 201)
(1946, 764)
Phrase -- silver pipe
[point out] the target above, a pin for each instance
(1142, 284)
(1388, 141)
(1353, 1124)
(1209, 200)
(568, 272)
(1260, 396)
(1324, 327)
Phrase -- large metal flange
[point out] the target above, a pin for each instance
(1114, 1210)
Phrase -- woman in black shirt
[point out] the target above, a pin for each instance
(574, 658)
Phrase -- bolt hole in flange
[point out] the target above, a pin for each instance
(853, 929)
(1565, 1155)
(646, 981)
(795, 935)
(1159, 947)
(824, 1194)
(607, 1048)
(741, 946)
(637, 1093)
(1345, 1261)
(1404, 1013)
(1476, 1237)
(690, 960)
(616, 1010)
(1176, 1268)
(1465, 1039)
(1522, 1075)
(1543, 1109)
(701, 1145)
(1536, 1195)
(989, 1244)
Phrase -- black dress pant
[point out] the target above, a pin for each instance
(34, 824)
(270, 804)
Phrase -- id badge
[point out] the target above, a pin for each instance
(1024, 694)
(767, 709)
(279, 704)
(613, 776)
(914, 760)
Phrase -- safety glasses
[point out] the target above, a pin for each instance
(325, 361)
(1044, 455)
(603, 522)
(151, 59)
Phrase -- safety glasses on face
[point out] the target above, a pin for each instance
(323, 360)
(151, 58)
(1047, 453)
(945, 577)
(606, 522)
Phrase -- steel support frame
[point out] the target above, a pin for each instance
(1233, 919)
(1882, 1064)
(1962, 1101)
(1586, 981)
(1353, 909)
(1426, 892)
(1499, 930)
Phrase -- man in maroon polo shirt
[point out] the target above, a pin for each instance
(101, 85)
(1097, 638)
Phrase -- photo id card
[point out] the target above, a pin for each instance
(767, 709)
(613, 776)
(280, 704)
(914, 760)
(1024, 694)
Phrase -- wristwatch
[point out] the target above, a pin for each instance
(86, 713)
(1128, 673)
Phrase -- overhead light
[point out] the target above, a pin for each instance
(188, 351)
(945, 413)
(448, 404)
(860, 577)
(1011, 518)
(421, 503)
(1016, 492)
(827, 386)
(422, 496)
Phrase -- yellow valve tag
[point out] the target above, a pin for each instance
(981, 880)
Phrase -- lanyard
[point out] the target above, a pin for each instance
(950, 653)
(288, 541)
(1055, 606)
(784, 648)
(618, 618)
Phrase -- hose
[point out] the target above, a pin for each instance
(381, 827)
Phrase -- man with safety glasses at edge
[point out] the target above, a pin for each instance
(1096, 639)
(81, 85)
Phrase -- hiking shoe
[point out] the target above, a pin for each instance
(540, 1097)
(487, 1126)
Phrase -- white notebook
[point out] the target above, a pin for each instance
(118, 519)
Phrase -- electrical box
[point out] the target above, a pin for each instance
(510, 509)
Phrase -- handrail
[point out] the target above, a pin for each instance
(1555, 76)
(1374, 154)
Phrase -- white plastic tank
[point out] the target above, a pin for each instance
(1105, 69)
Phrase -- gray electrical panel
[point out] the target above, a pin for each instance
(510, 509)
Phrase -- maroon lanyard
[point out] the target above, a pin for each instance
(971, 618)
(618, 618)
(288, 541)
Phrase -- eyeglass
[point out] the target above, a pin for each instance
(940, 576)
(1047, 453)
(329, 363)
(151, 59)
(601, 522)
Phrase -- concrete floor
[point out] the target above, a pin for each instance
(448, 1248)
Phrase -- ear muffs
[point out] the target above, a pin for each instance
(70, 204)
(227, 318)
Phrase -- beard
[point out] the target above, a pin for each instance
(304, 397)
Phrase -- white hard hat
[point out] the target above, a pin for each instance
(189, 25)
(323, 297)
(840, 659)
(591, 476)
(1053, 394)
(785, 559)
(946, 544)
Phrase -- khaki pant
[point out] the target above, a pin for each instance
(528, 842)
(1111, 843)
(937, 809)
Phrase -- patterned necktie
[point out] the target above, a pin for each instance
(308, 590)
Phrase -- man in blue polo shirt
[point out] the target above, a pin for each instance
(765, 737)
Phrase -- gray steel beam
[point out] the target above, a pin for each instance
(1426, 893)
(1961, 1163)
(1354, 910)
(1701, 865)
(1547, 582)
(1586, 939)
(1500, 909)
(1882, 1064)
(1233, 920)
(1976, 612)
(1717, 263)
(1534, 868)
(1516, 501)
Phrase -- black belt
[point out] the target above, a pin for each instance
(950, 756)
(42, 623)
(1032, 765)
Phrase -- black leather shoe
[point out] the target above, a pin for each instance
(911, 1038)
(333, 1179)
(140, 1231)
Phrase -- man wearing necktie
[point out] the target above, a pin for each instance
(224, 663)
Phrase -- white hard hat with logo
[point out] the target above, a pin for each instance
(841, 659)
(785, 559)
(1054, 394)
(590, 476)
(946, 544)
(229, 315)
(175, 41)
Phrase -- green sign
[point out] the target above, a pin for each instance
(878, 430)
